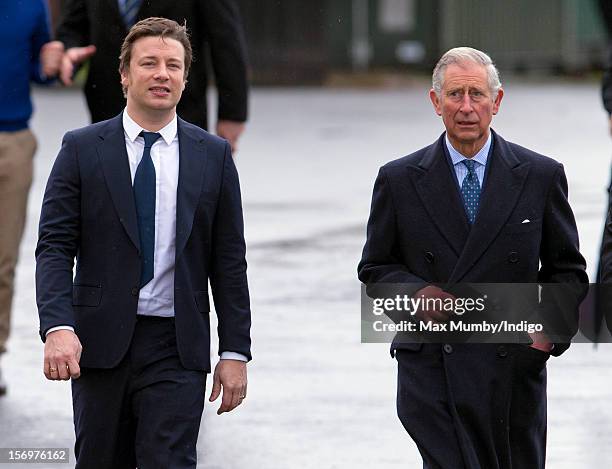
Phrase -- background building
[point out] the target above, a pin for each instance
(303, 42)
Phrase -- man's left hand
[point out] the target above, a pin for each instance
(231, 375)
(230, 131)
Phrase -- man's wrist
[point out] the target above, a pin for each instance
(233, 356)
(58, 328)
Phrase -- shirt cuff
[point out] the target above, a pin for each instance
(59, 328)
(232, 356)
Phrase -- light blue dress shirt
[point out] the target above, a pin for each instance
(479, 158)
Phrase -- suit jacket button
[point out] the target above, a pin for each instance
(502, 352)
(513, 257)
(135, 291)
(448, 348)
(429, 257)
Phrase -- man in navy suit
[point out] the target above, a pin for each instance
(472, 208)
(149, 205)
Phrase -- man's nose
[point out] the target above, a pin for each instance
(466, 103)
(161, 73)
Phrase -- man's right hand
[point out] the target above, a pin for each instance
(51, 55)
(430, 314)
(62, 355)
(73, 57)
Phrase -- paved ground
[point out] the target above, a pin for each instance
(317, 397)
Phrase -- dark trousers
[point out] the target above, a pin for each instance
(475, 406)
(143, 413)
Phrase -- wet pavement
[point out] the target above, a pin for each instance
(318, 398)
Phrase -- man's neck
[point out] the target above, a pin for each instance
(469, 149)
(151, 121)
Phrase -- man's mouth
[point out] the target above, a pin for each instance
(466, 123)
(160, 90)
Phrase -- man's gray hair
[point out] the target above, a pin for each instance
(460, 55)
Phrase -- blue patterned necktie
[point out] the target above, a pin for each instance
(470, 190)
(144, 196)
(129, 10)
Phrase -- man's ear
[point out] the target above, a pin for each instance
(124, 79)
(497, 101)
(435, 100)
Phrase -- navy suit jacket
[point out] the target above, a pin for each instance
(418, 232)
(88, 213)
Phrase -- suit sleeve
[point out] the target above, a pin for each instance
(228, 277)
(563, 269)
(381, 260)
(58, 240)
(225, 36)
(73, 26)
(606, 83)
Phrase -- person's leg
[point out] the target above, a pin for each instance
(102, 419)
(423, 408)
(167, 399)
(16, 152)
(528, 409)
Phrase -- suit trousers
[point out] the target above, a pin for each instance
(16, 152)
(143, 413)
(474, 406)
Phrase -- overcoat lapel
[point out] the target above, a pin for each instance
(192, 162)
(115, 165)
(506, 176)
(437, 188)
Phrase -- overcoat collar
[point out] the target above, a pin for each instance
(436, 185)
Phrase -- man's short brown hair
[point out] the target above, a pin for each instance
(157, 27)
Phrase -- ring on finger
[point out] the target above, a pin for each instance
(52, 370)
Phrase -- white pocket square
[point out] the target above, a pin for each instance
(526, 220)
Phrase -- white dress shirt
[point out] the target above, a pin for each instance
(156, 298)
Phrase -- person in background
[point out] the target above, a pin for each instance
(96, 28)
(25, 55)
(606, 85)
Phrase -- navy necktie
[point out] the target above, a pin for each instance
(144, 196)
(470, 190)
(129, 10)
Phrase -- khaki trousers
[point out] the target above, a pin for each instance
(16, 153)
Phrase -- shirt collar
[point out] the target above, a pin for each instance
(132, 129)
(480, 157)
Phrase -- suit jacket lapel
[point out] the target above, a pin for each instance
(113, 5)
(437, 188)
(150, 8)
(115, 165)
(192, 162)
(504, 183)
